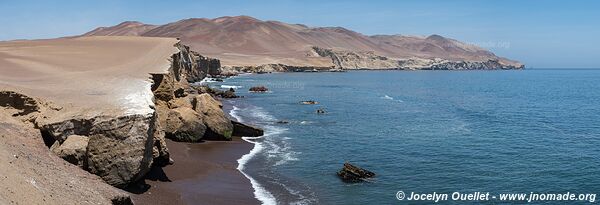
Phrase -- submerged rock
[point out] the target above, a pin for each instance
(309, 102)
(242, 130)
(321, 111)
(260, 89)
(351, 173)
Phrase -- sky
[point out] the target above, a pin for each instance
(539, 33)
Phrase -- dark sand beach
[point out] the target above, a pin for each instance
(203, 173)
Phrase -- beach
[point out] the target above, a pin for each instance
(203, 173)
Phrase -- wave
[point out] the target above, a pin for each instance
(260, 114)
(231, 86)
(271, 145)
(205, 81)
(387, 97)
(260, 192)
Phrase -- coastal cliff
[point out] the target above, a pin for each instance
(348, 60)
(113, 123)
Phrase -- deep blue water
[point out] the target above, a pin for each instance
(423, 131)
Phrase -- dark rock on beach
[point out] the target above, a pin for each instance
(351, 173)
(243, 130)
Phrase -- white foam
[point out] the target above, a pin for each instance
(233, 113)
(387, 97)
(261, 114)
(260, 192)
(205, 81)
(231, 86)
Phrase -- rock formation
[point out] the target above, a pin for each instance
(258, 89)
(351, 173)
(240, 130)
(110, 120)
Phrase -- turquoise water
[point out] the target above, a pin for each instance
(423, 131)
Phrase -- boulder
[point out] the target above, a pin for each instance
(181, 102)
(242, 130)
(120, 150)
(228, 94)
(260, 89)
(185, 125)
(73, 150)
(351, 173)
(219, 127)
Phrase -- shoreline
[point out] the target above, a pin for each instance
(203, 173)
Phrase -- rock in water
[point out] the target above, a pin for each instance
(243, 130)
(351, 173)
(260, 89)
(321, 111)
(309, 102)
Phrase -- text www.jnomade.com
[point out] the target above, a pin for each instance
(486, 196)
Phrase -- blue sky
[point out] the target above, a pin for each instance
(542, 34)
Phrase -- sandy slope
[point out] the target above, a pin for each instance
(91, 74)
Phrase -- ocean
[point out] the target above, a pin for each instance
(420, 131)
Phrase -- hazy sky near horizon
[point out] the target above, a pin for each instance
(539, 33)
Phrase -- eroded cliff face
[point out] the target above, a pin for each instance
(370, 60)
(117, 146)
(184, 113)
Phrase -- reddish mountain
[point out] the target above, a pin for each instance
(243, 40)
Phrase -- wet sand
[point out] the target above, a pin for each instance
(203, 173)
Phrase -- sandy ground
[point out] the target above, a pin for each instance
(203, 173)
(93, 75)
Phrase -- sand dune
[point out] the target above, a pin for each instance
(91, 74)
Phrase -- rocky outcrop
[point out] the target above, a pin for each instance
(219, 127)
(193, 115)
(441, 64)
(369, 60)
(242, 130)
(121, 148)
(351, 173)
(356, 60)
(270, 68)
(258, 89)
(32, 174)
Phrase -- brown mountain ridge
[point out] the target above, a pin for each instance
(247, 42)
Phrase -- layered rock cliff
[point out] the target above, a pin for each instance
(369, 60)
